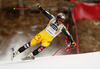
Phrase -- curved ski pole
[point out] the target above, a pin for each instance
(24, 8)
(66, 49)
(58, 50)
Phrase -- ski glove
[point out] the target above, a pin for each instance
(73, 44)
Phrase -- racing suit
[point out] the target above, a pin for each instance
(48, 34)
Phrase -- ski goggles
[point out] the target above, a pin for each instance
(59, 19)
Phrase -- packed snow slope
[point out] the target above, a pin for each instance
(79, 61)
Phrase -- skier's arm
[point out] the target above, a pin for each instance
(47, 14)
(65, 31)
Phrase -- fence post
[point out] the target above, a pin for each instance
(21, 5)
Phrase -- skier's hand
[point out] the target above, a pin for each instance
(37, 4)
(73, 44)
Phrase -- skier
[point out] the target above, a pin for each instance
(46, 36)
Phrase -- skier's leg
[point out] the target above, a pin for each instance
(24, 47)
(34, 41)
(35, 52)
(21, 49)
(44, 43)
(38, 50)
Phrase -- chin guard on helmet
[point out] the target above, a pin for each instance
(61, 16)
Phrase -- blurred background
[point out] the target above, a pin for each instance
(18, 27)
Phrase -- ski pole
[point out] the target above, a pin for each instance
(24, 8)
(58, 50)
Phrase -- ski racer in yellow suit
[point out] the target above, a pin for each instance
(46, 36)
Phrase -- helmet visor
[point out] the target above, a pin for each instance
(59, 19)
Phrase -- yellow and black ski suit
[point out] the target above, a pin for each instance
(48, 34)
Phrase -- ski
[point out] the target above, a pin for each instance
(12, 51)
(28, 58)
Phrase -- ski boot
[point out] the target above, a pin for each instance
(29, 57)
(15, 53)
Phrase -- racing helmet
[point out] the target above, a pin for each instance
(61, 17)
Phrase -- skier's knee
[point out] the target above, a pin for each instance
(38, 50)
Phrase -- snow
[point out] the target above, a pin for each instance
(76, 61)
